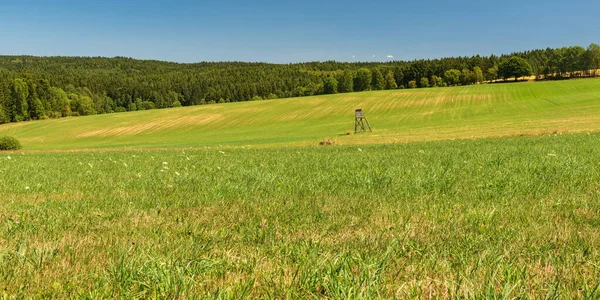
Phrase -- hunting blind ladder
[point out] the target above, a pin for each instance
(360, 120)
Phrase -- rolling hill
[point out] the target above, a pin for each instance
(491, 110)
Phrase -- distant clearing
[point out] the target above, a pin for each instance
(479, 111)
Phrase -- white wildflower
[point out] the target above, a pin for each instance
(8, 157)
(177, 173)
(27, 187)
(359, 149)
(165, 163)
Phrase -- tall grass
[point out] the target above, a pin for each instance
(491, 218)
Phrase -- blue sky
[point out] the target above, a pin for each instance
(292, 31)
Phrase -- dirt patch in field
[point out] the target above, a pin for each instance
(153, 126)
(9, 126)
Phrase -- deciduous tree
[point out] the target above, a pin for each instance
(330, 85)
(478, 74)
(346, 82)
(378, 83)
(452, 77)
(362, 81)
(492, 73)
(515, 67)
(390, 81)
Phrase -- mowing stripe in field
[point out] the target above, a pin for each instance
(491, 110)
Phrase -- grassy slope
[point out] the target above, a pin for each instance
(402, 115)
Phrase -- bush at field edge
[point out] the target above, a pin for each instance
(9, 143)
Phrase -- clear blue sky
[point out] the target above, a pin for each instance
(292, 31)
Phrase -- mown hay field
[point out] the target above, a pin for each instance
(490, 110)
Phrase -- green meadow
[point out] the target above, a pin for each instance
(479, 192)
(477, 111)
(490, 218)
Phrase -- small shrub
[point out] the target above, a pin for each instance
(146, 105)
(327, 142)
(9, 143)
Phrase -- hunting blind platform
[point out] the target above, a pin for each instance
(360, 120)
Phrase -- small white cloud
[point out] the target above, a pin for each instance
(390, 56)
(373, 55)
(353, 56)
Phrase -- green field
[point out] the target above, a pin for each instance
(444, 200)
(491, 110)
(506, 218)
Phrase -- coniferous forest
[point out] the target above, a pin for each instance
(34, 88)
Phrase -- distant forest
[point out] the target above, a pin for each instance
(52, 87)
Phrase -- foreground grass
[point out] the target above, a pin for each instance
(514, 217)
(479, 111)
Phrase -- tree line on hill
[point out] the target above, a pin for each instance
(51, 87)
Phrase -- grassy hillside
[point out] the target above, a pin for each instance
(397, 116)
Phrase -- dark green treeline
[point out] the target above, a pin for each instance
(52, 87)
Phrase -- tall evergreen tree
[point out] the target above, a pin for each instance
(19, 110)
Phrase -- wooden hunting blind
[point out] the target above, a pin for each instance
(360, 121)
